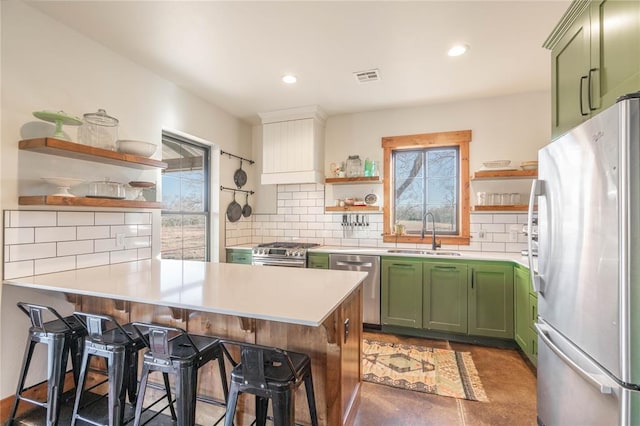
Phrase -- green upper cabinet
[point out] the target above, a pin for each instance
(401, 292)
(318, 260)
(444, 297)
(491, 300)
(594, 59)
(239, 256)
(615, 50)
(569, 62)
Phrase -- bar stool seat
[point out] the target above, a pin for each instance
(270, 374)
(119, 346)
(63, 336)
(173, 351)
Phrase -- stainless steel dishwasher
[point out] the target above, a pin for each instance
(371, 285)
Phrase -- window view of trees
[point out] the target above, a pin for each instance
(426, 180)
(185, 228)
(427, 173)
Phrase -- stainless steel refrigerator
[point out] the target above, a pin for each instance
(588, 274)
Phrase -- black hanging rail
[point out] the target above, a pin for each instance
(236, 156)
(224, 188)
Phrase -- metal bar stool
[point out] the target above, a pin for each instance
(270, 373)
(119, 346)
(62, 335)
(172, 350)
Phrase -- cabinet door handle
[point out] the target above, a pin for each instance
(589, 86)
(402, 265)
(582, 79)
(444, 267)
(472, 276)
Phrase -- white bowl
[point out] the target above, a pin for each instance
(141, 148)
(496, 164)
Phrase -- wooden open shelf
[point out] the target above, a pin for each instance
(359, 179)
(84, 152)
(511, 208)
(352, 209)
(53, 200)
(505, 174)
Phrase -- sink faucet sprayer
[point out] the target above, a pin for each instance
(434, 245)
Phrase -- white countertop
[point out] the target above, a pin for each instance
(292, 295)
(384, 251)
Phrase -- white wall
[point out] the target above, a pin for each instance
(47, 66)
(509, 127)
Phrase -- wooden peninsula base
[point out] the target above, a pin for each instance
(334, 347)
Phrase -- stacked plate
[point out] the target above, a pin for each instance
(497, 165)
(529, 165)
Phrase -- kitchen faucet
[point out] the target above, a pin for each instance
(434, 245)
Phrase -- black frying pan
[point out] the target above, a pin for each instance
(234, 210)
(246, 209)
(240, 177)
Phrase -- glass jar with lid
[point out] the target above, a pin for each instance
(354, 166)
(99, 130)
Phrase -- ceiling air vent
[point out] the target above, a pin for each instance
(367, 76)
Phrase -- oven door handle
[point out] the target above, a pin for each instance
(280, 262)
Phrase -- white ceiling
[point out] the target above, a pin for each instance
(234, 53)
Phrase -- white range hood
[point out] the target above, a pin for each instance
(293, 146)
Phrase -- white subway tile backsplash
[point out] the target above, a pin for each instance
(493, 247)
(19, 235)
(49, 234)
(493, 227)
(109, 218)
(74, 247)
(481, 218)
(137, 218)
(31, 251)
(136, 242)
(308, 187)
(123, 256)
(38, 242)
(27, 218)
(57, 264)
(92, 232)
(108, 244)
(75, 218)
(18, 269)
(127, 230)
(93, 259)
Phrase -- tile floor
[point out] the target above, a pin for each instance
(509, 382)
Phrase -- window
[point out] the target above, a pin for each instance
(427, 173)
(185, 195)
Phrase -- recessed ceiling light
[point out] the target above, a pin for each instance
(289, 79)
(458, 49)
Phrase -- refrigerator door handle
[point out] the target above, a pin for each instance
(543, 333)
(536, 279)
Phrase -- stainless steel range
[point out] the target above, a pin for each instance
(293, 255)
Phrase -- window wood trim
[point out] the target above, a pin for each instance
(459, 138)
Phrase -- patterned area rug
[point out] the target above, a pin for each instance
(438, 371)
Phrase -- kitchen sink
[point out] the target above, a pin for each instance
(423, 252)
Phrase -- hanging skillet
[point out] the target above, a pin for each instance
(240, 177)
(246, 209)
(234, 210)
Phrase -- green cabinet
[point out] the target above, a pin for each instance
(594, 59)
(401, 299)
(474, 298)
(444, 297)
(491, 300)
(318, 260)
(239, 256)
(526, 313)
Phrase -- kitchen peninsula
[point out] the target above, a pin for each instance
(312, 311)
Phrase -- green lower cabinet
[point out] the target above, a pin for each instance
(491, 300)
(526, 313)
(239, 256)
(401, 292)
(318, 260)
(444, 296)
